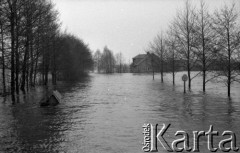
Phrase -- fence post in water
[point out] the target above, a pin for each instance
(184, 78)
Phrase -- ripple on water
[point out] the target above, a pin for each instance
(105, 113)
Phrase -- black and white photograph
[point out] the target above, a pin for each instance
(119, 76)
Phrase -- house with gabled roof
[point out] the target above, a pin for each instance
(144, 63)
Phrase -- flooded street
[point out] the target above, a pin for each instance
(105, 114)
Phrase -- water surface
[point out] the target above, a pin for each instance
(105, 114)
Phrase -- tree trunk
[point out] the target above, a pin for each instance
(188, 65)
(35, 70)
(27, 73)
(204, 66)
(17, 57)
(3, 61)
(204, 81)
(31, 63)
(203, 49)
(229, 65)
(189, 79)
(161, 71)
(188, 49)
(161, 61)
(24, 67)
(54, 80)
(153, 74)
(173, 67)
(12, 24)
(36, 60)
(46, 68)
(43, 65)
(229, 88)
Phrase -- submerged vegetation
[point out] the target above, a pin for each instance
(198, 40)
(33, 47)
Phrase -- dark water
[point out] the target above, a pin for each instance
(105, 114)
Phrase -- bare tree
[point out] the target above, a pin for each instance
(205, 44)
(11, 17)
(157, 47)
(184, 31)
(107, 61)
(119, 62)
(2, 20)
(228, 43)
(97, 59)
(172, 54)
(30, 42)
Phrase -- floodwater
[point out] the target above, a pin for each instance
(105, 114)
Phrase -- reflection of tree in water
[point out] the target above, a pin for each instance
(38, 128)
(31, 128)
(206, 108)
(65, 86)
(200, 111)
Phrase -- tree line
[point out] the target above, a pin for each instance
(198, 40)
(107, 62)
(33, 47)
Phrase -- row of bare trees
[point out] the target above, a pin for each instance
(26, 28)
(106, 62)
(198, 40)
(32, 45)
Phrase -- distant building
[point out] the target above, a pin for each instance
(144, 63)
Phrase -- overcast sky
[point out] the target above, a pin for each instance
(125, 26)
